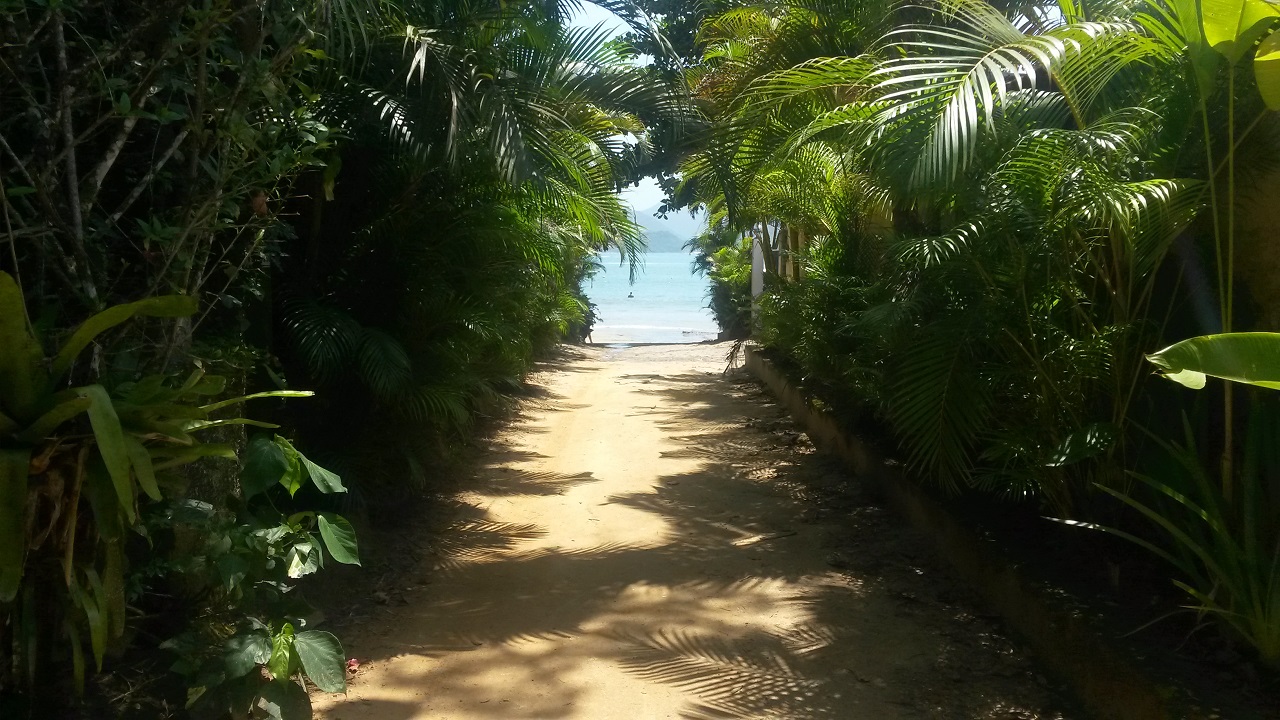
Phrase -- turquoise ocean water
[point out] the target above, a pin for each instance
(668, 303)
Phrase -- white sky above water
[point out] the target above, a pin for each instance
(646, 194)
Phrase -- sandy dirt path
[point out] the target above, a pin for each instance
(655, 540)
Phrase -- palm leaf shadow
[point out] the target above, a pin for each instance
(478, 540)
(729, 680)
(506, 482)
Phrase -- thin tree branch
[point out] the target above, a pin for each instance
(146, 180)
(72, 173)
(108, 160)
(17, 161)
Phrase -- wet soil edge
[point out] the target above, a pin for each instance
(1066, 645)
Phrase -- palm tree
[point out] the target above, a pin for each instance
(488, 142)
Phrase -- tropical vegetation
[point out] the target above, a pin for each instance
(976, 218)
(265, 263)
(384, 209)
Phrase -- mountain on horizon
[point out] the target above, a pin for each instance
(664, 241)
(671, 233)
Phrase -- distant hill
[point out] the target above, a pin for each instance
(671, 233)
(664, 241)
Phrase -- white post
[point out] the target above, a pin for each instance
(757, 279)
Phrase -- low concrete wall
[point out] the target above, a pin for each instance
(1107, 685)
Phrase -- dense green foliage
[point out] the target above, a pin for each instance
(976, 220)
(393, 204)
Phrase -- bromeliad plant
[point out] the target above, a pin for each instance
(78, 466)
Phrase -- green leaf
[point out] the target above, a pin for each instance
(77, 656)
(92, 602)
(325, 480)
(1266, 70)
(14, 471)
(101, 494)
(322, 659)
(264, 465)
(302, 559)
(197, 425)
(292, 479)
(208, 385)
(284, 700)
(339, 538)
(282, 659)
(269, 393)
(21, 358)
(8, 425)
(173, 457)
(142, 467)
(1252, 358)
(245, 651)
(161, 306)
(111, 446)
(51, 420)
(1231, 27)
(146, 390)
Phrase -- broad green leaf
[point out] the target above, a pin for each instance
(1204, 62)
(264, 465)
(208, 385)
(339, 538)
(292, 479)
(14, 466)
(101, 493)
(145, 390)
(282, 659)
(111, 446)
(232, 569)
(1252, 358)
(245, 651)
(302, 559)
(8, 425)
(284, 700)
(173, 457)
(1266, 70)
(51, 420)
(142, 467)
(1231, 27)
(327, 481)
(322, 659)
(22, 379)
(161, 306)
(92, 603)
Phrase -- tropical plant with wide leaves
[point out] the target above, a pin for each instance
(78, 467)
(481, 188)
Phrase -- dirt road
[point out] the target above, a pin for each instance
(656, 540)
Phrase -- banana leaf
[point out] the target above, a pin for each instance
(1252, 358)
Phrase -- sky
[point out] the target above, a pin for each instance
(589, 15)
(646, 194)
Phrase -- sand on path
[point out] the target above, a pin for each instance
(637, 547)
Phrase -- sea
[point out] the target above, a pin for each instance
(667, 303)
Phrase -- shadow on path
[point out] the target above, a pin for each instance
(769, 586)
